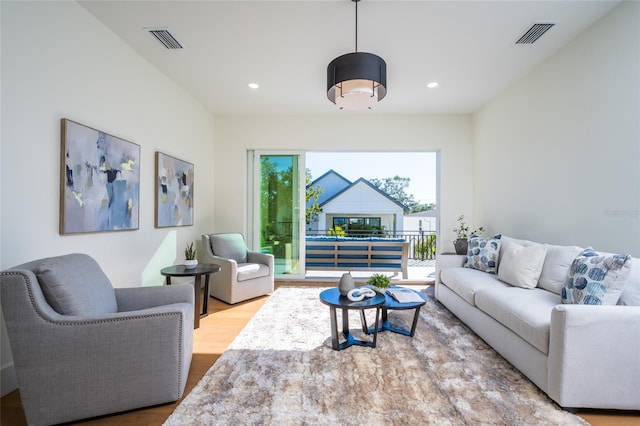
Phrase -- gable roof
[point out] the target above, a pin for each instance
(369, 184)
(331, 172)
(424, 213)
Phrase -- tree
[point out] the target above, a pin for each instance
(395, 187)
(314, 209)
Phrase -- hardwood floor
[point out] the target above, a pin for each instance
(216, 332)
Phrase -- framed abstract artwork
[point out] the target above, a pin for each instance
(174, 191)
(99, 181)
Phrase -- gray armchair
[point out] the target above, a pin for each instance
(243, 274)
(83, 349)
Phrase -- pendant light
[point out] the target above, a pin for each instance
(358, 80)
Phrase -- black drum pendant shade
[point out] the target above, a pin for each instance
(356, 80)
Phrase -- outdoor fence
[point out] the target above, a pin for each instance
(422, 244)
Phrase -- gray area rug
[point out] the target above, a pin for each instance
(281, 370)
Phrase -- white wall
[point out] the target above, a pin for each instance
(58, 61)
(363, 201)
(557, 156)
(412, 223)
(450, 134)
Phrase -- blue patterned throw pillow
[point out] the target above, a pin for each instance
(483, 254)
(596, 279)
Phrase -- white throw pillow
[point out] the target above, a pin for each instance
(555, 270)
(521, 265)
(519, 241)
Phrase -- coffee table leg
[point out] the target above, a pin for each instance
(334, 329)
(415, 321)
(345, 323)
(375, 330)
(350, 340)
(363, 321)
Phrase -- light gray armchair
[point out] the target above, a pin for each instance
(243, 274)
(83, 349)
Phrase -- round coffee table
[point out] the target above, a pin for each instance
(392, 304)
(334, 300)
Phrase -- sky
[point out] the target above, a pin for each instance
(420, 167)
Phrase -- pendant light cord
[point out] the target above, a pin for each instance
(356, 2)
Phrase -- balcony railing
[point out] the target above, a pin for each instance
(422, 244)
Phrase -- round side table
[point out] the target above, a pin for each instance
(202, 269)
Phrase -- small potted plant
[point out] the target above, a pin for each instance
(461, 242)
(379, 282)
(190, 260)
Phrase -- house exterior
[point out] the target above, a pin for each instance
(360, 203)
(426, 221)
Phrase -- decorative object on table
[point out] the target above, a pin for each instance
(190, 260)
(461, 243)
(346, 283)
(99, 181)
(405, 295)
(358, 294)
(379, 282)
(174, 191)
(445, 368)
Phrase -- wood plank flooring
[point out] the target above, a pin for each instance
(216, 332)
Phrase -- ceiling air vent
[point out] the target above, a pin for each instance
(167, 40)
(534, 33)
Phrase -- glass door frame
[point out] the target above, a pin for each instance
(253, 204)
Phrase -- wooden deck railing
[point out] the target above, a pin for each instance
(357, 254)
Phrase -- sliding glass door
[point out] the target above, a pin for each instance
(278, 213)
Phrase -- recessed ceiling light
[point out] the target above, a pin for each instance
(432, 85)
(253, 85)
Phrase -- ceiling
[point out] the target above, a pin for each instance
(468, 47)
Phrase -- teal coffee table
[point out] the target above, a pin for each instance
(335, 301)
(392, 304)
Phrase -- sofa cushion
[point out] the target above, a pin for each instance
(483, 254)
(595, 278)
(466, 282)
(521, 265)
(74, 284)
(526, 312)
(249, 271)
(505, 238)
(631, 293)
(555, 269)
(229, 246)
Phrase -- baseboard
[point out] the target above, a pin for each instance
(8, 380)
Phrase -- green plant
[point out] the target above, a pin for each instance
(425, 248)
(462, 231)
(379, 280)
(190, 252)
(337, 231)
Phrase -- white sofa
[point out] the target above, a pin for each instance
(582, 356)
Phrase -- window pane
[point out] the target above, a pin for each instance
(279, 211)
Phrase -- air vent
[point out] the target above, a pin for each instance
(167, 40)
(534, 33)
